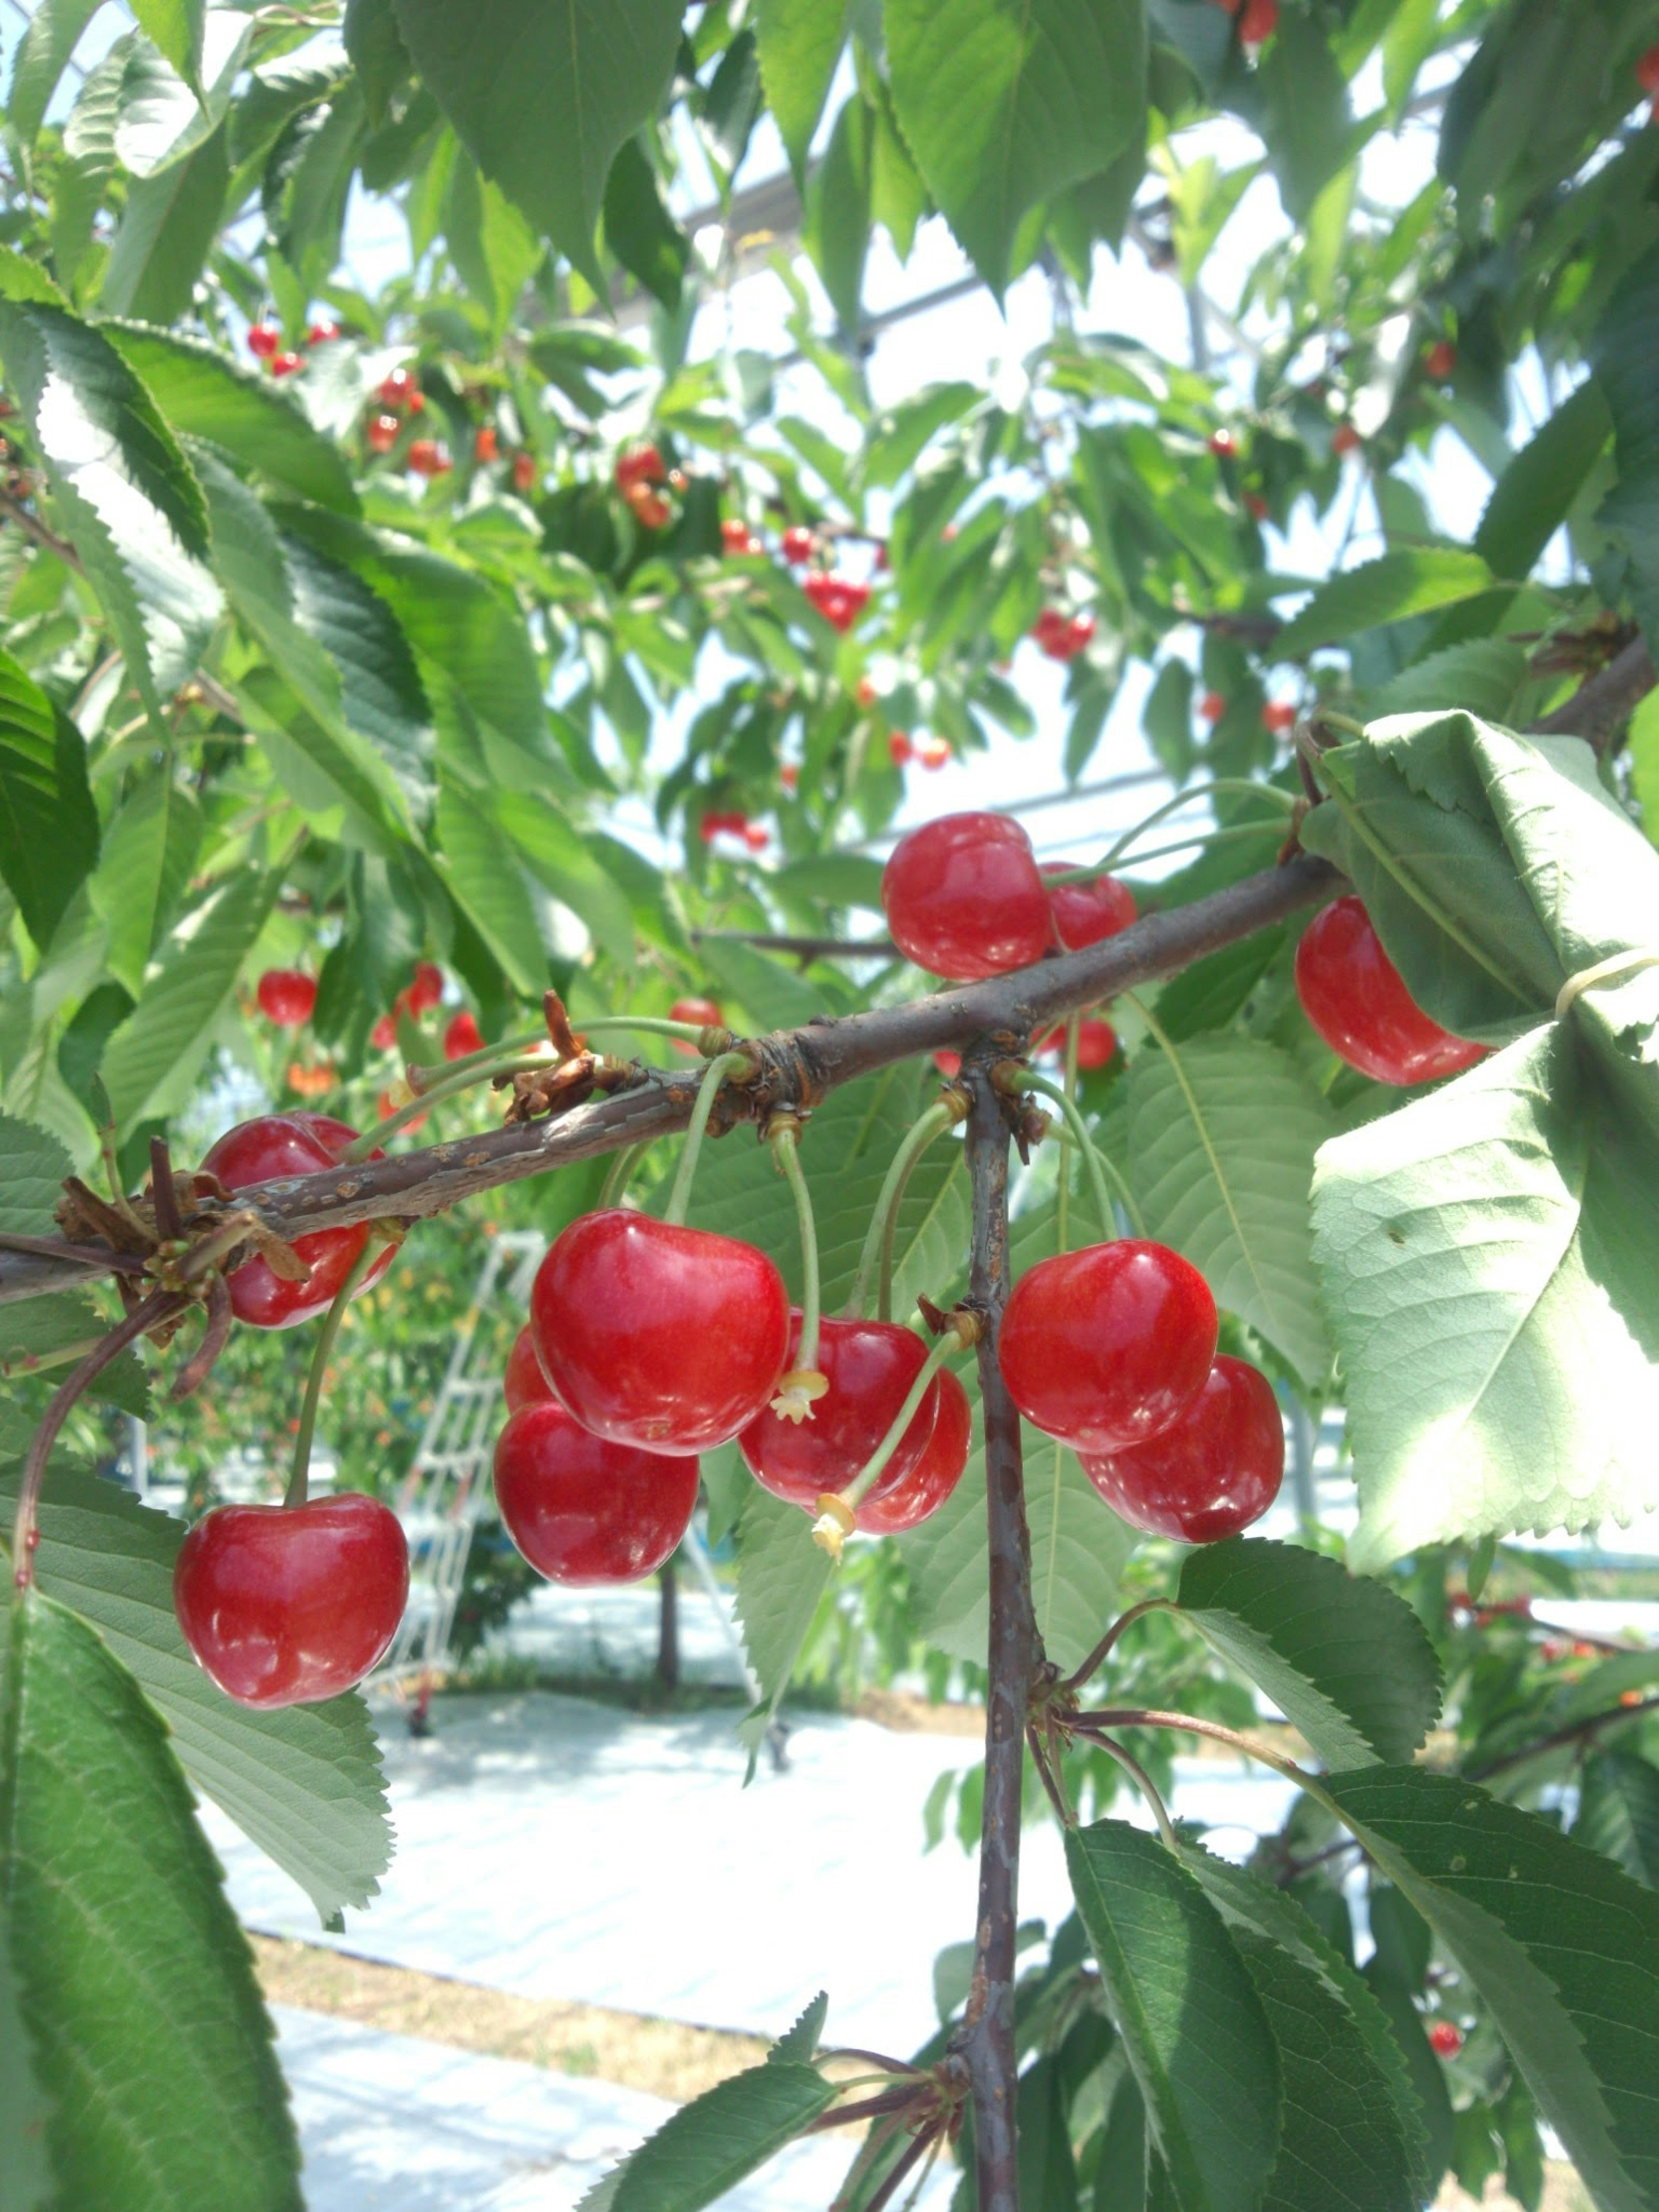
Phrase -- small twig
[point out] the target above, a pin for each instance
(805, 948)
(1143, 1781)
(1132, 1716)
(1581, 1732)
(1098, 1657)
(164, 1196)
(221, 1315)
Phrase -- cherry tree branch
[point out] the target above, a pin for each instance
(1603, 704)
(800, 1064)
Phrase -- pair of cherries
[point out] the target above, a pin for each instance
(965, 898)
(1113, 1350)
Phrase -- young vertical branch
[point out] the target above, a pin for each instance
(987, 2039)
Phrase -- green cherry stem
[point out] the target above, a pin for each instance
(645, 1025)
(488, 1055)
(783, 1135)
(1229, 786)
(1100, 1168)
(880, 1239)
(1143, 1781)
(301, 1467)
(679, 1199)
(836, 1510)
(621, 1174)
(459, 1078)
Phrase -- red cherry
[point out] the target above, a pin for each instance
(486, 447)
(900, 750)
(1357, 999)
(1107, 1346)
(310, 1082)
(382, 433)
(1212, 708)
(641, 464)
(417, 400)
(1445, 2040)
(1345, 440)
(584, 1511)
(463, 1036)
(1096, 1040)
(287, 1605)
(870, 1366)
(323, 333)
(1223, 445)
(756, 837)
(1078, 631)
(797, 546)
(789, 776)
(937, 1472)
(384, 1035)
(704, 1011)
(524, 1383)
(287, 997)
(524, 471)
(948, 1063)
(1647, 71)
(1060, 635)
(287, 1144)
(287, 364)
(933, 752)
(839, 600)
(651, 510)
(1085, 912)
(398, 389)
(668, 1338)
(1441, 360)
(965, 899)
(867, 695)
(1258, 22)
(427, 988)
(1278, 715)
(736, 536)
(263, 339)
(427, 459)
(1215, 1470)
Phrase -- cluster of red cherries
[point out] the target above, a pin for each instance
(264, 343)
(1062, 636)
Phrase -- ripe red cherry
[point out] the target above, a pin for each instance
(756, 837)
(427, 459)
(1257, 22)
(463, 1036)
(1096, 1040)
(1215, 1470)
(1278, 716)
(671, 1339)
(840, 599)
(1223, 445)
(397, 389)
(1062, 636)
(286, 1605)
(382, 433)
(426, 990)
(948, 1063)
(937, 1472)
(1357, 999)
(486, 447)
(704, 1011)
(524, 471)
(900, 750)
(584, 1511)
(736, 537)
(1212, 706)
(524, 1383)
(1107, 1346)
(384, 1035)
(1445, 2038)
(641, 464)
(287, 364)
(1647, 71)
(1345, 440)
(1085, 912)
(870, 1366)
(285, 1144)
(287, 997)
(1440, 359)
(865, 694)
(651, 510)
(797, 546)
(323, 333)
(263, 339)
(964, 898)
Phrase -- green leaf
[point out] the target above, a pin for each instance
(378, 54)
(1307, 117)
(1346, 1660)
(1618, 1813)
(149, 849)
(1621, 354)
(48, 825)
(167, 230)
(562, 860)
(203, 393)
(35, 1164)
(1482, 676)
(639, 228)
(1486, 1260)
(710, 2144)
(153, 1058)
(176, 27)
(116, 1921)
(1385, 590)
(1005, 102)
(50, 36)
(1047, 2169)
(1222, 1133)
(542, 93)
(479, 866)
(492, 245)
(1195, 2030)
(304, 1784)
(1562, 1946)
(801, 43)
(782, 1577)
(837, 229)
(25, 2113)
(798, 2045)
(1534, 494)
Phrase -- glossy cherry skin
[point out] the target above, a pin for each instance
(1107, 1346)
(263, 340)
(670, 1338)
(287, 1144)
(287, 997)
(382, 433)
(935, 1474)
(524, 1383)
(797, 546)
(1357, 999)
(1096, 1040)
(870, 1366)
(426, 990)
(1085, 912)
(584, 1511)
(284, 1605)
(964, 898)
(1445, 2038)
(1216, 1468)
(463, 1036)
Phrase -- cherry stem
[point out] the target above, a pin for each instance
(647, 1025)
(1143, 1781)
(783, 1135)
(295, 1492)
(1100, 1168)
(855, 1491)
(1335, 721)
(1098, 1657)
(459, 1078)
(487, 1054)
(1232, 785)
(724, 1064)
(160, 1306)
(621, 1174)
(1113, 1716)
(882, 1234)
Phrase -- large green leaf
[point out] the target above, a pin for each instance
(203, 393)
(167, 231)
(25, 2113)
(149, 849)
(154, 1058)
(1345, 1659)
(176, 27)
(1222, 1134)
(1005, 102)
(481, 870)
(304, 1783)
(48, 825)
(1487, 1256)
(1385, 590)
(1618, 1813)
(1195, 2030)
(50, 36)
(1533, 497)
(836, 228)
(1562, 1945)
(710, 2144)
(801, 43)
(782, 1575)
(118, 1927)
(542, 93)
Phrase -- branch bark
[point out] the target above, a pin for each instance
(817, 1059)
(1603, 704)
(986, 2037)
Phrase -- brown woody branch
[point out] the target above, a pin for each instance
(1604, 702)
(806, 1063)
